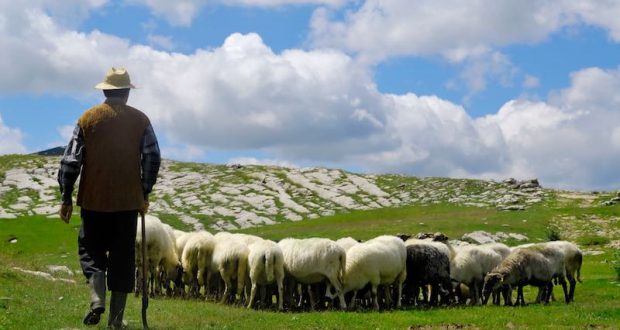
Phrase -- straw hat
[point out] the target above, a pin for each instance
(116, 78)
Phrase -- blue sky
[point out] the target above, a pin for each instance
(486, 89)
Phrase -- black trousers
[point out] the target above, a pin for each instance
(107, 243)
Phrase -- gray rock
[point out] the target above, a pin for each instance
(479, 237)
(518, 237)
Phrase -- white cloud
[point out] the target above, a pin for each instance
(183, 12)
(65, 132)
(466, 35)
(163, 42)
(530, 81)
(256, 161)
(321, 106)
(11, 140)
(183, 152)
(386, 28)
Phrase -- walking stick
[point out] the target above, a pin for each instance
(145, 295)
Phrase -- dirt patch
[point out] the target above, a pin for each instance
(584, 199)
(453, 326)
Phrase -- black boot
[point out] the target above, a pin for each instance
(117, 308)
(97, 298)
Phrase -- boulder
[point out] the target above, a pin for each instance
(479, 237)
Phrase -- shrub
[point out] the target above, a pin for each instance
(615, 263)
(553, 233)
(593, 240)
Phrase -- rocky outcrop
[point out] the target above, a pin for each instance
(238, 196)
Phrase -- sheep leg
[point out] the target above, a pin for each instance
(387, 296)
(459, 293)
(252, 295)
(280, 295)
(507, 293)
(473, 293)
(300, 293)
(311, 296)
(353, 300)
(375, 302)
(565, 289)
(399, 298)
(550, 292)
(424, 293)
(227, 285)
(520, 298)
(573, 283)
(434, 294)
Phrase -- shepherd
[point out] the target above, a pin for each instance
(115, 149)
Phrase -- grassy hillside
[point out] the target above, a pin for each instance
(303, 203)
(31, 302)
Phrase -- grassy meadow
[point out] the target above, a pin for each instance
(31, 302)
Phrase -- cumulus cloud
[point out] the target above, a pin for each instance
(322, 106)
(385, 28)
(183, 12)
(163, 42)
(530, 81)
(468, 36)
(11, 140)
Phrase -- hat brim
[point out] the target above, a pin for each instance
(106, 86)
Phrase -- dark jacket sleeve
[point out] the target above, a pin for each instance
(71, 164)
(151, 160)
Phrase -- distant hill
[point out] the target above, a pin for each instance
(218, 197)
(56, 151)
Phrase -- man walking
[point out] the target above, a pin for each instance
(116, 151)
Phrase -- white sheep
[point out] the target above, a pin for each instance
(556, 256)
(500, 248)
(160, 250)
(230, 261)
(520, 268)
(347, 242)
(379, 261)
(181, 238)
(266, 265)
(314, 260)
(196, 260)
(573, 258)
(470, 265)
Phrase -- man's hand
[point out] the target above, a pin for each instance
(145, 208)
(65, 212)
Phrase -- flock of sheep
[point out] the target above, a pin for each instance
(383, 272)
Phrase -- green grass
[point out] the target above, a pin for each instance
(42, 241)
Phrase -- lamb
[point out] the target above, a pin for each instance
(230, 261)
(573, 258)
(196, 260)
(470, 265)
(266, 264)
(520, 268)
(160, 249)
(314, 260)
(427, 264)
(347, 242)
(379, 261)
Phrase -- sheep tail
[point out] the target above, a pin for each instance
(269, 265)
(580, 261)
(343, 265)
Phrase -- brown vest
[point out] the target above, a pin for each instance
(111, 170)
